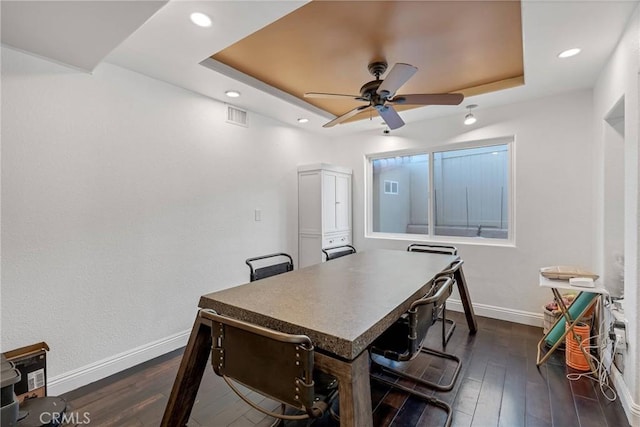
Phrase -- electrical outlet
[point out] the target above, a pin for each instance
(617, 327)
(618, 360)
(621, 337)
(620, 345)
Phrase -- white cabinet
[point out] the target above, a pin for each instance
(324, 210)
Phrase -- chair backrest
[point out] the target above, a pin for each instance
(272, 363)
(451, 270)
(405, 340)
(261, 268)
(424, 313)
(433, 249)
(338, 251)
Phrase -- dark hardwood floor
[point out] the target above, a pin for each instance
(499, 385)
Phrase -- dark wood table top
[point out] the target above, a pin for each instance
(342, 305)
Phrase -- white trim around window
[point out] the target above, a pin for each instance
(429, 229)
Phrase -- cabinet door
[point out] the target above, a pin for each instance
(343, 202)
(309, 203)
(309, 250)
(329, 202)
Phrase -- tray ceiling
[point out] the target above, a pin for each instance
(325, 46)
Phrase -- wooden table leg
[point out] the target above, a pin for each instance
(466, 301)
(354, 388)
(187, 382)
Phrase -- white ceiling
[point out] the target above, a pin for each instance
(170, 48)
(76, 33)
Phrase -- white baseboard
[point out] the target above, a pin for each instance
(511, 315)
(631, 408)
(96, 371)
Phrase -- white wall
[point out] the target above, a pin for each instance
(619, 79)
(123, 200)
(554, 200)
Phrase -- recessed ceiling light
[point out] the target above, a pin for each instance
(569, 53)
(303, 120)
(200, 19)
(232, 93)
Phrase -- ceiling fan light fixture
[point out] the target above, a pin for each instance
(200, 19)
(469, 118)
(232, 93)
(569, 53)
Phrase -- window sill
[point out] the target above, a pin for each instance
(450, 240)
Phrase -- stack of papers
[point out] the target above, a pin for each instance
(582, 282)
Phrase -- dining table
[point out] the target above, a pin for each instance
(343, 305)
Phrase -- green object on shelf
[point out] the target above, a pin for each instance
(577, 307)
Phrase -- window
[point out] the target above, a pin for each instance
(445, 194)
(391, 187)
(393, 211)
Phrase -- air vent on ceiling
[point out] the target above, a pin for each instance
(237, 116)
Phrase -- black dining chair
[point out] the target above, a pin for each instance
(442, 311)
(269, 265)
(433, 249)
(404, 340)
(277, 365)
(338, 251)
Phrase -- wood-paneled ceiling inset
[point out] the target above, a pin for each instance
(471, 47)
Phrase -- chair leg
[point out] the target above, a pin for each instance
(429, 399)
(421, 381)
(446, 335)
(278, 422)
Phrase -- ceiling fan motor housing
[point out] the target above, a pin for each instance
(369, 90)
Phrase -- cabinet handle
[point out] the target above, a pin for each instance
(337, 203)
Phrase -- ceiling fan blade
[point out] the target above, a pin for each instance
(429, 99)
(329, 95)
(390, 117)
(346, 116)
(398, 76)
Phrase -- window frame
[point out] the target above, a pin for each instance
(509, 141)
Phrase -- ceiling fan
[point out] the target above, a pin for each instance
(381, 95)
